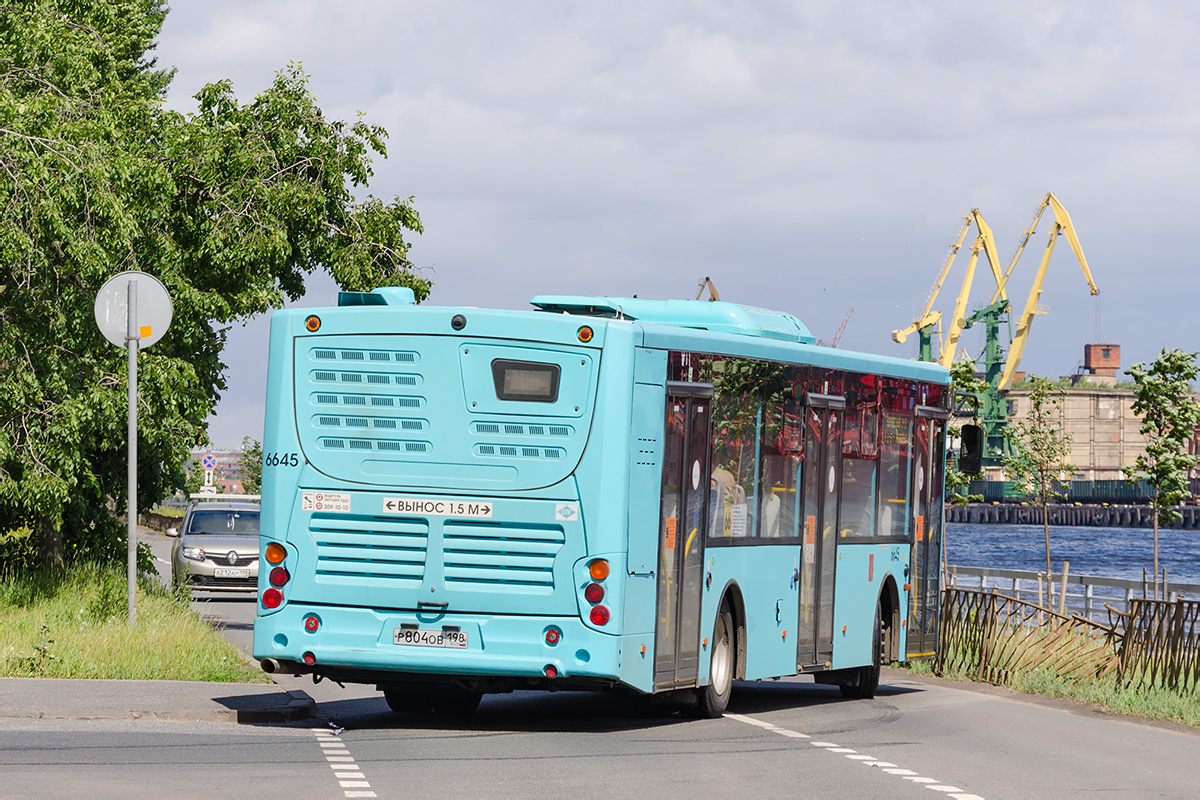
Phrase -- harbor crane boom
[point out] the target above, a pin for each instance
(928, 319)
(1064, 226)
(707, 283)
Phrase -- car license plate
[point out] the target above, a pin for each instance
(231, 572)
(427, 638)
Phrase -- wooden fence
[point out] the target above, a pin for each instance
(996, 638)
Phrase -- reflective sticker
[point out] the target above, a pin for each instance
(920, 529)
(695, 475)
(669, 541)
(566, 511)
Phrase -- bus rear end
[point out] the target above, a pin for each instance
(422, 521)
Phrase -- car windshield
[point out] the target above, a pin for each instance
(223, 521)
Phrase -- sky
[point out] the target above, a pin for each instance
(812, 157)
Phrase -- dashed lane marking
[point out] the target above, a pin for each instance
(886, 767)
(349, 775)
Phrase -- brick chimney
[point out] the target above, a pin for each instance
(1102, 359)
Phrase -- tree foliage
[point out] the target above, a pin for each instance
(1170, 415)
(250, 465)
(1039, 450)
(230, 207)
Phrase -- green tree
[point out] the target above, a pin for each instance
(1039, 449)
(230, 207)
(1170, 416)
(250, 465)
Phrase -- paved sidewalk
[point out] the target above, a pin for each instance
(50, 698)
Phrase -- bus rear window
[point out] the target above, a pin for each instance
(525, 381)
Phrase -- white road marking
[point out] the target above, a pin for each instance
(349, 775)
(886, 766)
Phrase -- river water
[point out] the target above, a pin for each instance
(1107, 552)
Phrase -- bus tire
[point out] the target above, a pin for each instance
(405, 700)
(866, 681)
(457, 702)
(714, 698)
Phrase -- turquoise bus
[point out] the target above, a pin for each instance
(655, 497)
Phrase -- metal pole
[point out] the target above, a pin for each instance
(131, 341)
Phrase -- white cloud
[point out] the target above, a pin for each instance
(807, 155)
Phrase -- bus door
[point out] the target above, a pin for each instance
(928, 465)
(683, 521)
(821, 485)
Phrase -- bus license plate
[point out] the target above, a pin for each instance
(231, 572)
(427, 638)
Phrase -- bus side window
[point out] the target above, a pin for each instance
(895, 447)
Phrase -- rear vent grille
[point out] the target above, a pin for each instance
(510, 451)
(369, 547)
(376, 445)
(480, 555)
(515, 429)
(374, 356)
(389, 401)
(369, 378)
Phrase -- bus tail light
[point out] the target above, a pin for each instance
(311, 623)
(594, 593)
(279, 576)
(272, 598)
(599, 615)
(598, 569)
(275, 553)
(550, 671)
(553, 636)
(309, 658)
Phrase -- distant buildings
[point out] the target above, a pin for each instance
(1098, 414)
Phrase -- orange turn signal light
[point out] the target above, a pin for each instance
(313, 324)
(276, 553)
(586, 334)
(598, 569)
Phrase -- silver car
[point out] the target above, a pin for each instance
(216, 549)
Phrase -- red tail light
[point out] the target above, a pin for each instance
(553, 635)
(309, 659)
(551, 671)
(272, 598)
(599, 615)
(311, 624)
(594, 593)
(279, 576)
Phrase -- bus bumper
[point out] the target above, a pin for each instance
(360, 645)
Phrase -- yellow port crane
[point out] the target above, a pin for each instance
(1062, 226)
(929, 319)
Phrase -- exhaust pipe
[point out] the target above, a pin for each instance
(269, 666)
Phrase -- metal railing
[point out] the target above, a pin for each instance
(1089, 596)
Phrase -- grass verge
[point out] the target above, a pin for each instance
(1182, 707)
(75, 626)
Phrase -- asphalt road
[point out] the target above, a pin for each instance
(918, 739)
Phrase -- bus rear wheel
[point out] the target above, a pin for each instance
(866, 681)
(405, 700)
(714, 698)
